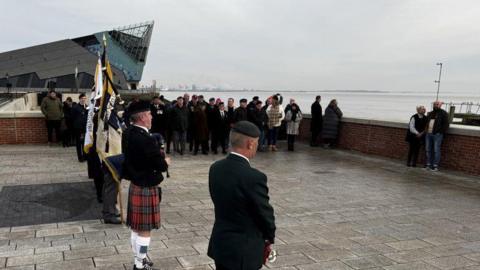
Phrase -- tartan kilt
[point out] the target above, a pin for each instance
(143, 211)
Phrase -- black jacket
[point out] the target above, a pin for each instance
(211, 112)
(317, 119)
(258, 117)
(159, 118)
(79, 117)
(240, 114)
(244, 218)
(178, 118)
(441, 124)
(222, 126)
(143, 163)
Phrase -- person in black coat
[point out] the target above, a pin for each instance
(258, 116)
(244, 224)
(179, 125)
(221, 129)
(241, 113)
(79, 118)
(67, 116)
(415, 135)
(316, 122)
(436, 128)
(211, 112)
(159, 117)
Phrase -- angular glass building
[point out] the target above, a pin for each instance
(71, 63)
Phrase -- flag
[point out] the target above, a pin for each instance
(94, 95)
(109, 132)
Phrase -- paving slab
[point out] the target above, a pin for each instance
(334, 210)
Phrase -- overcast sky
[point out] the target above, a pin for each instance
(276, 44)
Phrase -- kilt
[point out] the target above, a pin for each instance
(143, 211)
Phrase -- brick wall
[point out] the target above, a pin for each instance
(20, 130)
(460, 149)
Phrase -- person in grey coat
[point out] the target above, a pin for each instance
(331, 123)
(293, 118)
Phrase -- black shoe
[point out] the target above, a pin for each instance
(99, 200)
(112, 221)
(145, 267)
(147, 262)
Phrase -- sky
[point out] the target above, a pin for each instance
(277, 44)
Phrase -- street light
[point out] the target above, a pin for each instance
(8, 84)
(439, 77)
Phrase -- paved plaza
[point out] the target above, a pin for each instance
(334, 210)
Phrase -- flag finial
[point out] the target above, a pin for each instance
(104, 40)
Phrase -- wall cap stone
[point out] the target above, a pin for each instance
(22, 114)
(472, 131)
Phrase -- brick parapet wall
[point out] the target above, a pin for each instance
(460, 147)
(25, 128)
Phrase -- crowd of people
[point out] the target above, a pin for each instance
(205, 125)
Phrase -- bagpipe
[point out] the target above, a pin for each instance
(161, 144)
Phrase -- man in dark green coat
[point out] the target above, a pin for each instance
(244, 219)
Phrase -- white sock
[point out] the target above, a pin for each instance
(142, 244)
(133, 242)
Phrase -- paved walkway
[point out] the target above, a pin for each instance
(334, 210)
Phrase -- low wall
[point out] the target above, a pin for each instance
(460, 148)
(22, 128)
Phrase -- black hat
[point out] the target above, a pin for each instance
(243, 100)
(246, 128)
(139, 106)
(255, 98)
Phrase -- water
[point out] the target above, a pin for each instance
(378, 105)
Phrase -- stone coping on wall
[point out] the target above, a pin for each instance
(21, 114)
(454, 129)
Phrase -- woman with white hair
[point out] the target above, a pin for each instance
(416, 135)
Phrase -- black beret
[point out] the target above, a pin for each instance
(246, 128)
(139, 106)
(243, 100)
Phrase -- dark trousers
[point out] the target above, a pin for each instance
(51, 125)
(272, 136)
(179, 139)
(95, 171)
(290, 141)
(203, 144)
(314, 139)
(67, 136)
(168, 140)
(220, 267)
(110, 192)
(79, 136)
(413, 151)
(213, 141)
(219, 139)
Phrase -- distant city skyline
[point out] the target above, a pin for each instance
(277, 44)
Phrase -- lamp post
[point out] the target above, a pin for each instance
(8, 84)
(439, 77)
